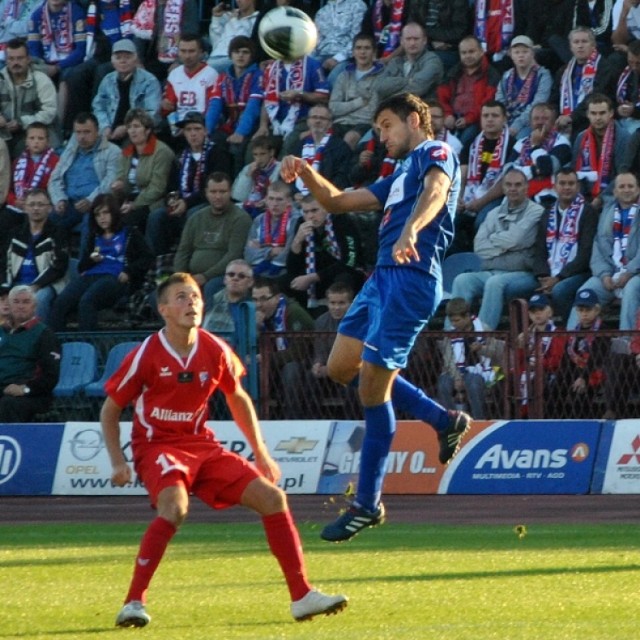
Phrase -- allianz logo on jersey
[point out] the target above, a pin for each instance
(172, 416)
(10, 457)
(499, 457)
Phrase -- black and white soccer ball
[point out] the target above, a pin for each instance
(287, 33)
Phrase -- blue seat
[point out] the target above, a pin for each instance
(115, 356)
(78, 367)
(456, 264)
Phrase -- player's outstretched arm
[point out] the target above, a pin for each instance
(433, 197)
(110, 421)
(326, 193)
(244, 414)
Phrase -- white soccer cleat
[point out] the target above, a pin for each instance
(133, 614)
(316, 603)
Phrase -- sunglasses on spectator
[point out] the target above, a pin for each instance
(233, 274)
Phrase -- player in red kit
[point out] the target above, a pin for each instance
(169, 379)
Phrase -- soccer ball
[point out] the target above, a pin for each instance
(287, 33)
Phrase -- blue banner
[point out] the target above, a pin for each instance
(526, 457)
(28, 458)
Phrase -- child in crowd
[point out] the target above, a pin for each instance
(581, 373)
(250, 187)
(471, 364)
(538, 355)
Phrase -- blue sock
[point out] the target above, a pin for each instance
(380, 426)
(414, 401)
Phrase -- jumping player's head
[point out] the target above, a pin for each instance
(403, 122)
(180, 302)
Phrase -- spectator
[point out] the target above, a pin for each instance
(278, 314)
(354, 96)
(384, 21)
(127, 87)
(598, 17)
(289, 92)
(272, 233)
(506, 243)
(224, 314)
(325, 249)
(251, 185)
(440, 132)
(5, 311)
(233, 112)
(416, 70)
(213, 237)
(58, 40)
(325, 152)
(36, 253)
(112, 265)
(144, 170)
(26, 95)
(338, 22)
(470, 364)
(495, 23)
(584, 74)
(87, 167)
(581, 373)
(548, 23)
(483, 162)
(225, 25)
(157, 27)
(615, 258)
(107, 23)
(446, 23)
(628, 90)
(526, 84)
(467, 86)
(564, 240)
(190, 84)
(29, 360)
(31, 170)
(200, 158)
(15, 22)
(543, 355)
(599, 151)
(318, 384)
(625, 18)
(542, 153)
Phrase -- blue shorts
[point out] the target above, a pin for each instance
(389, 312)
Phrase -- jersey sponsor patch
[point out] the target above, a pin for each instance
(438, 154)
(185, 376)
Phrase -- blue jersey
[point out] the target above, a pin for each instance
(399, 194)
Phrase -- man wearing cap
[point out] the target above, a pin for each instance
(615, 260)
(199, 159)
(190, 85)
(526, 84)
(564, 242)
(128, 87)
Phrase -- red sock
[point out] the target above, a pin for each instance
(152, 548)
(284, 542)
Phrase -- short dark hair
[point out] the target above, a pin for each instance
(179, 277)
(340, 287)
(457, 307)
(262, 282)
(365, 36)
(218, 176)
(38, 191)
(493, 104)
(403, 105)
(566, 171)
(242, 42)
(37, 125)
(192, 37)
(85, 116)
(141, 115)
(18, 43)
(598, 98)
(264, 142)
(113, 204)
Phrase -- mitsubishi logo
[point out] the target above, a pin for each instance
(296, 445)
(628, 457)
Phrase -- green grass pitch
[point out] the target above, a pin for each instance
(409, 582)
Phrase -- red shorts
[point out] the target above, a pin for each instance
(207, 470)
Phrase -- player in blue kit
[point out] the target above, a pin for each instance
(377, 333)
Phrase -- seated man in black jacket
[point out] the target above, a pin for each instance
(325, 249)
(29, 360)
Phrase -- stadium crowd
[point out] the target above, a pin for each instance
(133, 144)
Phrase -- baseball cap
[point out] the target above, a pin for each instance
(192, 117)
(586, 298)
(525, 41)
(124, 45)
(538, 301)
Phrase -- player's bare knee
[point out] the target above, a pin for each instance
(264, 497)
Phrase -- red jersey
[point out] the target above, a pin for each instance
(169, 392)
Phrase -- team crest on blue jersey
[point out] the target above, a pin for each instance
(439, 154)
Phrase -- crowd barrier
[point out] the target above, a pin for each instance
(323, 456)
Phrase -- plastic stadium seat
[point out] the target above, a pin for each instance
(114, 358)
(78, 367)
(455, 264)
